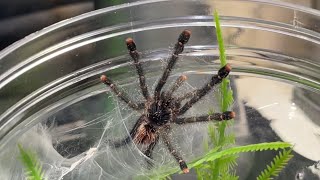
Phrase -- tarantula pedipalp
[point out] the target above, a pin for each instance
(162, 108)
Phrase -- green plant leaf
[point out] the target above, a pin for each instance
(223, 59)
(276, 166)
(226, 100)
(202, 167)
(213, 154)
(33, 169)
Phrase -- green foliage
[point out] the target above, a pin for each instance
(213, 154)
(220, 162)
(204, 165)
(276, 166)
(226, 93)
(209, 169)
(33, 169)
(221, 168)
(223, 58)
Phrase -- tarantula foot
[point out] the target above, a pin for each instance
(185, 171)
(183, 39)
(228, 115)
(184, 36)
(103, 78)
(183, 167)
(183, 78)
(130, 44)
(224, 71)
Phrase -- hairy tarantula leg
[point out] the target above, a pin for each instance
(175, 154)
(176, 85)
(178, 48)
(149, 150)
(214, 117)
(118, 93)
(135, 56)
(216, 79)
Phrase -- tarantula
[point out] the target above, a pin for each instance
(162, 108)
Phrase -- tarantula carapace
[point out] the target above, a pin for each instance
(161, 109)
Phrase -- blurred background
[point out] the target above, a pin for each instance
(19, 18)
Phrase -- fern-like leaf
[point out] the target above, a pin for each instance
(222, 53)
(33, 169)
(229, 161)
(225, 175)
(213, 155)
(227, 95)
(276, 166)
(225, 99)
(201, 166)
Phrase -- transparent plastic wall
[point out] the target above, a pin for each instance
(50, 90)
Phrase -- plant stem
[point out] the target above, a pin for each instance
(225, 98)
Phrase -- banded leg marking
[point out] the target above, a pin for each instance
(178, 48)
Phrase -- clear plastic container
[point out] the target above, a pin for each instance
(53, 102)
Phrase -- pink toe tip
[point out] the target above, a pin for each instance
(228, 67)
(232, 114)
(129, 40)
(103, 78)
(183, 77)
(185, 170)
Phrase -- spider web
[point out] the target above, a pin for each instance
(99, 160)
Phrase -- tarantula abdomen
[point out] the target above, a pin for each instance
(146, 134)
